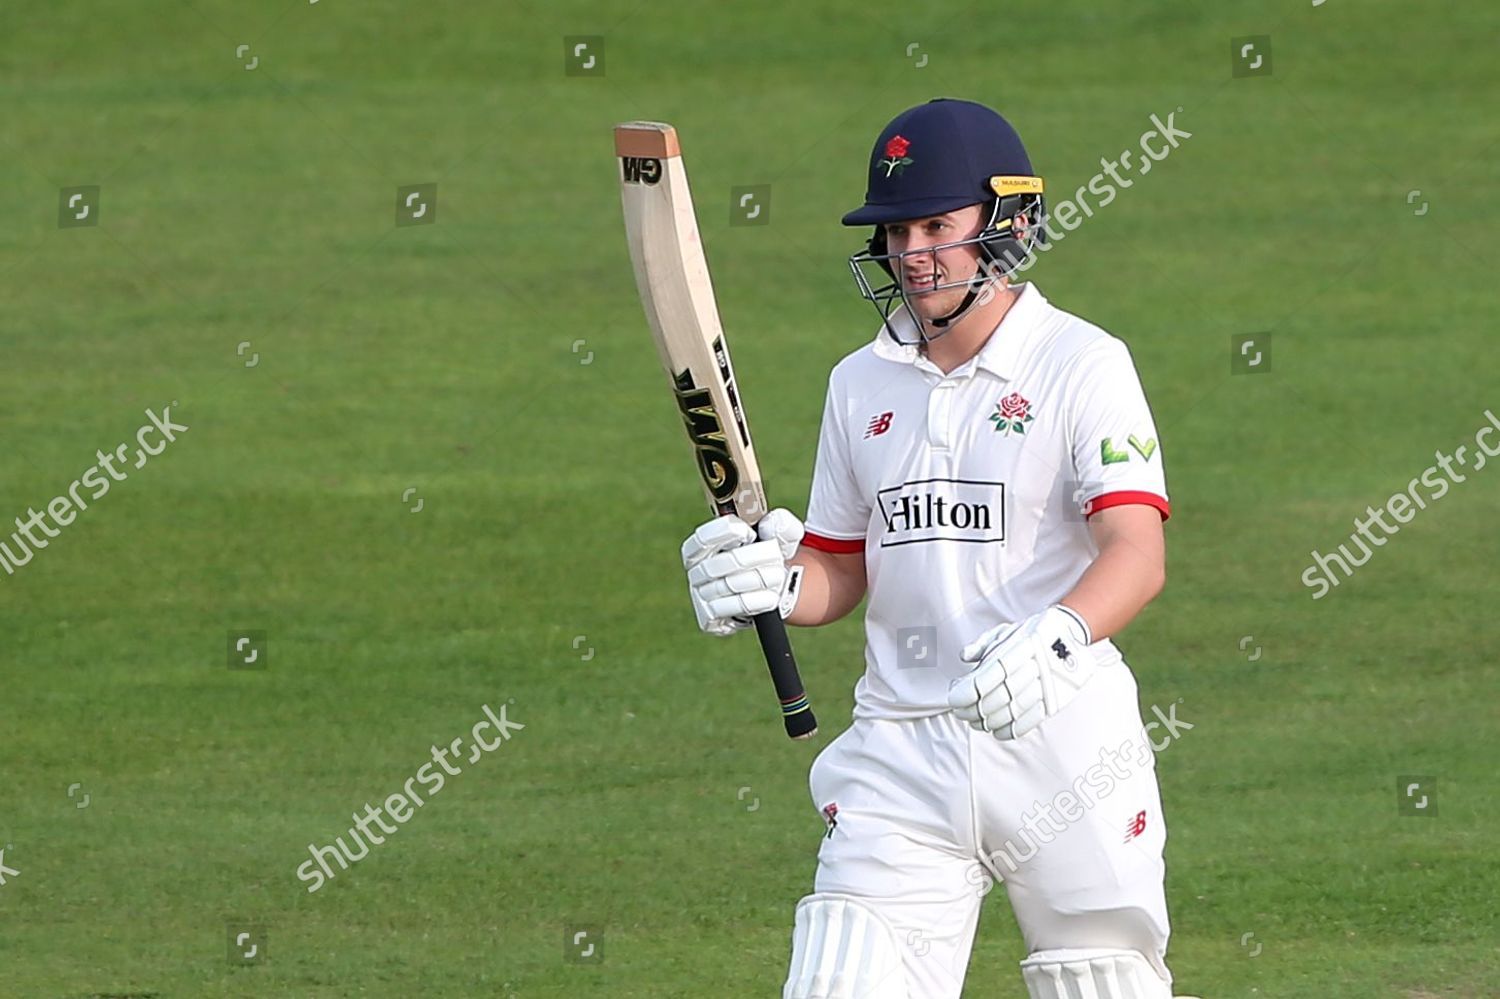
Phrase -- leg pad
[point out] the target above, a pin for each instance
(843, 949)
(1092, 974)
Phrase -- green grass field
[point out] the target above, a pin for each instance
(497, 365)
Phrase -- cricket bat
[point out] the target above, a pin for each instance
(672, 276)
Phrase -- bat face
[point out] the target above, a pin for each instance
(672, 277)
(677, 294)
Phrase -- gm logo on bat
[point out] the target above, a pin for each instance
(707, 431)
(640, 169)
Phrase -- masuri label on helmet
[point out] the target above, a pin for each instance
(1004, 185)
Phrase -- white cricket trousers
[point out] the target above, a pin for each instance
(931, 814)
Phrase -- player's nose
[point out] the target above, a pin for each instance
(919, 267)
(917, 261)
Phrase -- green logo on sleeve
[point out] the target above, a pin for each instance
(1146, 448)
(1109, 455)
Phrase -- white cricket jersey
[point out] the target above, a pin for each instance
(968, 492)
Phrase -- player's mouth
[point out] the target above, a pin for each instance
(920, 283)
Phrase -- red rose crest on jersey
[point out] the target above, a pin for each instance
(1012, 414)
(896, 159)
(1135, 827)
(830, 815)
(879, 424)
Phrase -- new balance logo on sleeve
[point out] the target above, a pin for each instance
(878, 425)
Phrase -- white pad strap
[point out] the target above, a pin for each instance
(1092, 974)
(843, 949)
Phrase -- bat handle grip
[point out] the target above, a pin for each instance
(796, 712)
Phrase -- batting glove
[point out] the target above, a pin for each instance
(1024, 672)
(736, 572)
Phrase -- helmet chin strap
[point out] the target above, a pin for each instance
(964, 306)
(976, 286)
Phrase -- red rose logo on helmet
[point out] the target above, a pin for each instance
(1012, 414)
(895, 155)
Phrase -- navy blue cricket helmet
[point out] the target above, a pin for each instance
(937, 157)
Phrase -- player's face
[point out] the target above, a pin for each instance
(920, 272)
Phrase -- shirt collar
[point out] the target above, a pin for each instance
(1000, 353)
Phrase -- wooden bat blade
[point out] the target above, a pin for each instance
(671, 274)
(677, 293)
